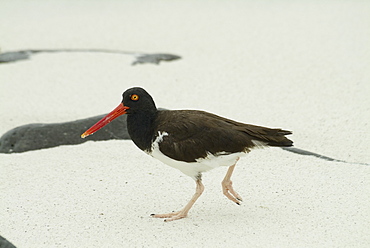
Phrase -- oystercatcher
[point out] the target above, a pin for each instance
(189, 140)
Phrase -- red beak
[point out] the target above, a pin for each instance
(120, 110)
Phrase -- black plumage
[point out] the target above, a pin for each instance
(194, 134)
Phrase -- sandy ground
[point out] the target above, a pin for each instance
(300, 66)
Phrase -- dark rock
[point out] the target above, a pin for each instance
(5, 243)
(155, 58)
(38, 136)
(14, 56)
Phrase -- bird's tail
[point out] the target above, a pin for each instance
(269, 136)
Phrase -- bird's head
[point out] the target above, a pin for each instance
(134, 100)
(137, 100)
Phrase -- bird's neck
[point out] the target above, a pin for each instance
(141, 129)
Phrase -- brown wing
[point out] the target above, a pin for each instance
(193, 134)
(272, 136)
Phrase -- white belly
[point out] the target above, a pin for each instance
(193, 169)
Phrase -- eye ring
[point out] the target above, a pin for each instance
(134, 97)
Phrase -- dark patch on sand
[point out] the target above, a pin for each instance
(5, 243)
(140, 58)
(39, 136)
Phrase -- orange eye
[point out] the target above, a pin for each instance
(134, 97)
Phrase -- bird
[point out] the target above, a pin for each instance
(192, 141)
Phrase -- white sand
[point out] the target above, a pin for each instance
(304, 67)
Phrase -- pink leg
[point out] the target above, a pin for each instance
(184, 212)
(227, 187)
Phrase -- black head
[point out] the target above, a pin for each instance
(135, 101)
(138, 100)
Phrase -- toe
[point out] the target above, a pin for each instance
(176, 217)
(168, 215)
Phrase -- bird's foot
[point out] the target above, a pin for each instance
(230, 193)
(170, 216)
(183, 212)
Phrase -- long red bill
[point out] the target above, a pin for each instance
(120, 110)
